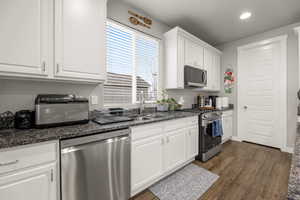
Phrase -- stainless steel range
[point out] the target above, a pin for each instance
(209, 145)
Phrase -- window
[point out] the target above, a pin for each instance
(132, 66)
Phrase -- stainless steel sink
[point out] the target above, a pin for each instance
(149, 116)
(142, 118)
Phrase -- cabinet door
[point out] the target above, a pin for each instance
(25, 37)
(216, 83)
(146, 161)
(34, 184)
(192, 142)
(227, 123)
(208, 66)
(175, 150)
(80, 39)
(193, 54)
(199, 54)
(189, 52)
(177, 74)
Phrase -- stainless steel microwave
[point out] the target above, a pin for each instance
(194, 77)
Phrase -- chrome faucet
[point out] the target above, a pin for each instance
(142, 103)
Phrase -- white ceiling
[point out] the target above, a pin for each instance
(217, 21)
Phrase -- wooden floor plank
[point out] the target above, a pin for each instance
(247, 172)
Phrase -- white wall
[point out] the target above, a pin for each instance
(17, 94)
(229, 57)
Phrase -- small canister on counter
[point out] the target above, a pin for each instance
(24, 119)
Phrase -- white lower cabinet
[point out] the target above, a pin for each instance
(146, 161)
(174, 149)
(34, 184)
(160, 148)
(29, 173)
(227, 122)
(192, 142)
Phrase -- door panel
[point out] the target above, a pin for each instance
(192, 142)
(208, 66)
(146, 161)
(80, 39)
(193, 54)
(259, 72)
(35, 184)
(175, 149)
(227, 127)
(24, 36)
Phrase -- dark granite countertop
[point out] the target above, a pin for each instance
(294, 181)
(13, 137)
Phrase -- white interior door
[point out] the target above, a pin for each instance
(260, 93)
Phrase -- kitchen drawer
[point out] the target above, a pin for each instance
(227, 113)
(16, 159)
(180, 123)
(144, 131)
(193, 120)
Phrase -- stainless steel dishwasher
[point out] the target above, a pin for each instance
(96, 167)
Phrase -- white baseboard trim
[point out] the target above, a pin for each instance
(287, 149)
(236, 138)
(284, 149)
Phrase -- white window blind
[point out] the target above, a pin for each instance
(132, 66)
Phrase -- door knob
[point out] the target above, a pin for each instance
(245, 107)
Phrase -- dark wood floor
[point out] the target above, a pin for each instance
(247, 172)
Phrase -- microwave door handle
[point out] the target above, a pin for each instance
(204, 77)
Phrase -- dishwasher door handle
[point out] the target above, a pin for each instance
(82, 146)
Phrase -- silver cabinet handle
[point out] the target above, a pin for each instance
(9, 163)
(168, 139)
(57, 68)
(44, 66)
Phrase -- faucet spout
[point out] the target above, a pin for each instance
(142, 103)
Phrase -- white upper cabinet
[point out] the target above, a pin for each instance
(25, 37)
(216, 72)
(80, 39)
(182, 48)
(212, 65)
(53, 39)
(193, 54)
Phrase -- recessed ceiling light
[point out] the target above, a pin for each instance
(245, 15)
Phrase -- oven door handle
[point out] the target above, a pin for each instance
(207, 122)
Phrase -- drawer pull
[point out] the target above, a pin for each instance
(9, 163)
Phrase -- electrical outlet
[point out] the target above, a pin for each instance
(94, 100)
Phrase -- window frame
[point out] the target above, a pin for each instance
(136, 33)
